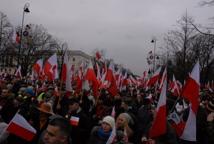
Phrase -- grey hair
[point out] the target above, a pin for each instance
(128, 118)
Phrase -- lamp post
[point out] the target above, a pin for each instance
(154, 65)
(25, 10)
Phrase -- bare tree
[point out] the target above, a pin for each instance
(6, 32)
(210, 3)
(179, 43)
(203, 49)
(36, 43)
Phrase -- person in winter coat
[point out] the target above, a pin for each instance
(80, 121)
(101, 134)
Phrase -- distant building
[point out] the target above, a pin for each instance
(8, 59)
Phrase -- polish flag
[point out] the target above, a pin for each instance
(37, 67)
(51, 68)
(113, 113)
(98, 55)
(18, 72)
(110, 78)
(79, 79)
(191, 93)
(112, 136)
(18, 39)
(174, 87)
(64, 67)
(66, 74)
(154, 78)
(21, 128)
(90, 78)
(118, 75)
(164, 76)
(74, 121)
(98, 73)
(159, 124)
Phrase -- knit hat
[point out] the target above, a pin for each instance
(109, 120)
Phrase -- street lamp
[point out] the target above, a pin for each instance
(25, 10)
(154, 65)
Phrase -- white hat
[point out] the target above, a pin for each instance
(109, 120)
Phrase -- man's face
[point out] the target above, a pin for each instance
(4, 93)
(53, 136)
(73, 107)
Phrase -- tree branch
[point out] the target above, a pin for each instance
(200, 30)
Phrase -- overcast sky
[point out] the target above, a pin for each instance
(122, 28)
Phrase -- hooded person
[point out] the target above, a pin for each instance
(101, 134)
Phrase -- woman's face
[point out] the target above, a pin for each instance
(120, 122)
(106, 127)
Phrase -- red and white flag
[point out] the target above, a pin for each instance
(64, 67)
(21, 128)
(74, 121)
(164, 76)
(154, 78)
(18, 72)
(51, 68)
(191, 93)
(113, 113)
(174, 87)
(159, 124)
(98, 55)
(112, 136)
(79, 79)
(66, 74)
(18, 39)
(90, 78)
(110, 78)
(37, 68)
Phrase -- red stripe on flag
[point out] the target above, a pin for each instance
(191, 92)
(20, 131)
(159, 125)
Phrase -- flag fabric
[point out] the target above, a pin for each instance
(174, 87)
(159, 124)
(66, 74)
(18, 72)
(64, 67)
(164, 75)
(112, 136)
(79, 79)
(69, 78)
(154, 78)
(74, 121)
(21, 128)
(90, 78)
(191, 93)
(110, 78)
(37, 68)
(113, 113)
(98, 55)
(51, 68)
(18, 39)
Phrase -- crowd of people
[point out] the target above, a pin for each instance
(64, 118)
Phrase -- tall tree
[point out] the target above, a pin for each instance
(6, 32)
(36, 43)
(179, 43)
